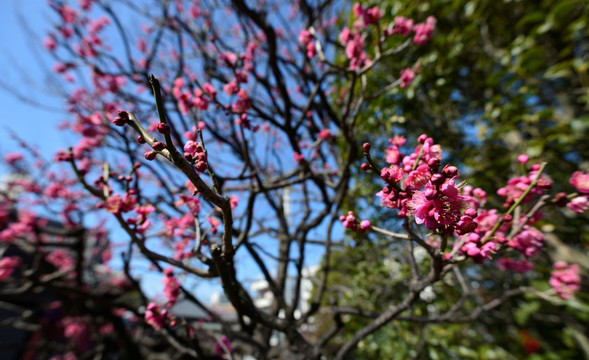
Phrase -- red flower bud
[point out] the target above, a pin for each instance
(123, 114)
(141, 139)
(150, 155)
(163, 128)
(366, 147)
(119, 121)
(200, 166)
(450, 171)
(158, 146)
(365, 166)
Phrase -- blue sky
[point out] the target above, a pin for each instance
(20, 70)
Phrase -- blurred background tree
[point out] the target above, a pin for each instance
(499, 78)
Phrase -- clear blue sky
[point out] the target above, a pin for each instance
(21, 71)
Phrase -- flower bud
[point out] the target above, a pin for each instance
(150, 155)
(560, 199)
(141, 139)
(366, 147)
(450, 171)
(437, 179)
(119, 121)
(123, 114)
(365, 166)
(434, 163)
(158, 146)
(200, 166)
(163, 128)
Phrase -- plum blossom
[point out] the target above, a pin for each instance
(528, 241)
(407, 77)
(424, 31)
(402, 26)
(565, 279)
(579, 204)
(171, 287)
(580, 181)
(8, 265)
(437, 209)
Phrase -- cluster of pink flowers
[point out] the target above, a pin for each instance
(528, 242)
(156, 317)
(366, 17)
(430, 195)
(196, 99)
(403, 26)
(171, 287)
(516, 187)
(194, 152)
(349, 221)
(61, 259)
(565, 279)
(8, 265)
(354, 43)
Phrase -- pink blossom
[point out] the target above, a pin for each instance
(350, 222)
(305, 37)
(230, 88)
(436, 210)
(298, 157)
(60, 259)
(49, 42)
(345, 35)
(392, 174)
(171, 287)
(14, 231)
(579, 204)
(325, 134)
(523, 158)
(565, 279)
(418, 177)
(393, 155)
(402, 26)
(155, 317)
(424, 31)
(580, 181)
(233, 200)
(528, 242)
(8, 265)
(13, 157)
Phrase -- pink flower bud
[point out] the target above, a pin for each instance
(364, 225)
(523, 158)
(366, 147)
(158, 146)
(119, 121)
(150, 155)
(163, 128)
